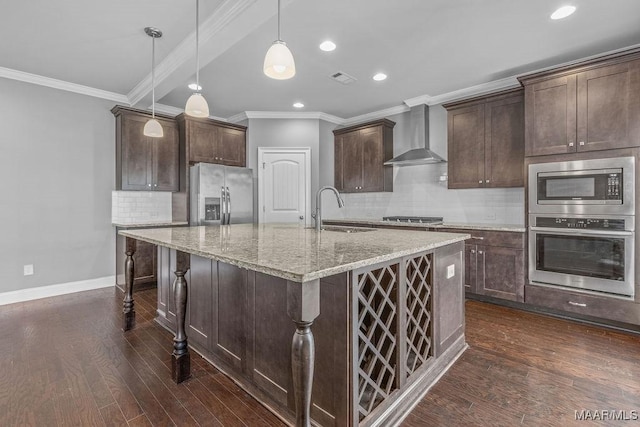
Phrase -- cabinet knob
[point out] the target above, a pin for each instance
(473, 251)
(480, 252)
(571, 144)
(148, 185)
(487, 181)
(581, 143)
(480, 182)
(155, 185)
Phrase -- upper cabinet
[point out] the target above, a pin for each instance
(360, 153)
(145, 163)
(212, 141)
(486, 141)
(586, 107)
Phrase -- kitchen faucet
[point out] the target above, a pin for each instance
(318, 214)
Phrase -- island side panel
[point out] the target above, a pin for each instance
(449, 296)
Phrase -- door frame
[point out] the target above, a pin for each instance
(307, 164)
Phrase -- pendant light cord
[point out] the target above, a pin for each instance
(198, 46)
(153, 77)
(279, 39)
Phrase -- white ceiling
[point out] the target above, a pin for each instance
(426, 47)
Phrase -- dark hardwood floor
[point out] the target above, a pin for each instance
(65, 361)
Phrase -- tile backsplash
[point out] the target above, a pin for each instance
(135, 207)
(419, 191)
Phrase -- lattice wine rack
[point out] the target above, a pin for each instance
(392, 327)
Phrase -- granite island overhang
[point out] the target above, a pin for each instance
(386, 306)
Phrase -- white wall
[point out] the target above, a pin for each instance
(57, 153)
(417, 190)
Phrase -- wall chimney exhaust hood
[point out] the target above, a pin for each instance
(419, 125)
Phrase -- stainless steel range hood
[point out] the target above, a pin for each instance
(419, 125)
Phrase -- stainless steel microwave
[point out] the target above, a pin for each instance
(599, 186)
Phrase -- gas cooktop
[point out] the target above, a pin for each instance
(417, 219)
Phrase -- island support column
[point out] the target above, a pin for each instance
(303, 306)
(180, 358)
(128, 310)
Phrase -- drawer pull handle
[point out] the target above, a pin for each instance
(577, 304)
(477, 238)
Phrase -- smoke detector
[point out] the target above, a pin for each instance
(343, 78)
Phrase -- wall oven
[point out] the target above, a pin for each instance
(584, 252)
(582, 225)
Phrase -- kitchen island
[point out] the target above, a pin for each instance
(343, 327)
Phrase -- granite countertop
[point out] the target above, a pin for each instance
(292, 252)
(150, 224)
(467, 226)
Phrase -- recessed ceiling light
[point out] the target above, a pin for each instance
(380, 77)
(563, 12)
(327, 46)
(194, 86)
(298, 105)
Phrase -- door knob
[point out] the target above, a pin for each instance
(301, 217)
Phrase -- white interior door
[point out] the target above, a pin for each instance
(284, 185)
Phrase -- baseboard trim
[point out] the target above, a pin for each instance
(29, 294)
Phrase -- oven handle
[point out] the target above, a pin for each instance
(575, 232)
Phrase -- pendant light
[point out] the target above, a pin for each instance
(278, 62)
(153, 128)
(196, 104)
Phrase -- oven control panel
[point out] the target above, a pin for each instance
(581, 223)
(613, 185)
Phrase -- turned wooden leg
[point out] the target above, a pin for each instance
(128, 310)
(180, 358)
(303, 305)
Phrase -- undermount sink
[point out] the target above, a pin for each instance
(347, 229)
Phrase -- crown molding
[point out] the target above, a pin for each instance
(36, 79)
(314, 115)
(398, 109)
(175, 111)
(481, 89)
(238, 117)
(223, 15)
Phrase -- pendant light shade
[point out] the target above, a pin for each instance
(278, 62)
(153, 128)
(196, 104)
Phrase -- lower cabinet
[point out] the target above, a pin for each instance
(494, 263)
(144, 259)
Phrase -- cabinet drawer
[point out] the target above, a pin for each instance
(506, 239)
(583, 304)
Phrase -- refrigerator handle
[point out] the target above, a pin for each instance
(223, 206)
(228, 206)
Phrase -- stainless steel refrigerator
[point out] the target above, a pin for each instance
(220, 195)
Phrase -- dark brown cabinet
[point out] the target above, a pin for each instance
(587, 107)
(360, 153)
(494, 263)
(486, 141)
(212, 141)
(145, 163)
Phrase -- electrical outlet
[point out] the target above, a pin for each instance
(28, 270)
(451, 271)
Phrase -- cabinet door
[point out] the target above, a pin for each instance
(609, 107)
(372, 158)
(550, 116)
(351, 162)
(136, 154)
(166, 159)
(500, 272)
(229, 311)
(198, 319)
(466, 147)
(145, 262)
(231, 147)
(203, 140)
(504, 142)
